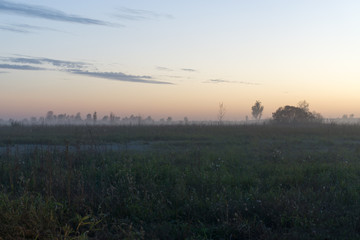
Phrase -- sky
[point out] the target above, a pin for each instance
(178, 58)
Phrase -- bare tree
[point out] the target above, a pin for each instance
(257, 110)
(221, 113)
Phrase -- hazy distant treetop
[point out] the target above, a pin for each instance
(49, 115)
(304, 105)
(186, 120)
(257, 110)
(94, 117)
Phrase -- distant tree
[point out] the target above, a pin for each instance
(25, 121)
(94, 117)
(49, 116)
(345, 116)
(61, 118)
(149, 120)
(169, 120)
(41, 120)
(135, 119)
(257, 110)
(88, 117)
(352, 115)
(186, 120)
(304, 105)
(221, 113)
(33, 120)
(139, 120)
(291, 114)
(105, 118)
(318, 116)
(112, 118)
(78, 117)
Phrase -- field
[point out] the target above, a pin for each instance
(180, 182)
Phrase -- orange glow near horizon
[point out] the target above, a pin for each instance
(183, 64)
(196, 100)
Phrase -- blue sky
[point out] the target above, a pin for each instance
(178, 58)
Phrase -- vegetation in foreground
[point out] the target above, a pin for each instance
(195, 182)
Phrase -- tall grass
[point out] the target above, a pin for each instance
(196, 182)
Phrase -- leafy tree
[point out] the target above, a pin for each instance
(304, 105)
(291, 114)
(257, 110)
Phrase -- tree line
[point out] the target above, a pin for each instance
(51, 118)
(286, 114)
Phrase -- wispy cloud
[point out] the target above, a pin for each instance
(13, 29)
(20, 67)
(33, 27)
(73, 67)
(25, 28)
(119, 76)
(24, 60)
(138, 15)
(188, 70)
(217, 81)
(46, 13)
(64, 64)
(172, 76)
(164, 69)
(54, 62)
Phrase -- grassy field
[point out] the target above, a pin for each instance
(180, 182)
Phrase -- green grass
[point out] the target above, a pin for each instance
(194, 182)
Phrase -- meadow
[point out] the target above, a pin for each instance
(180, 182)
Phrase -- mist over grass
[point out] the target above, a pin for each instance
(191, 182)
